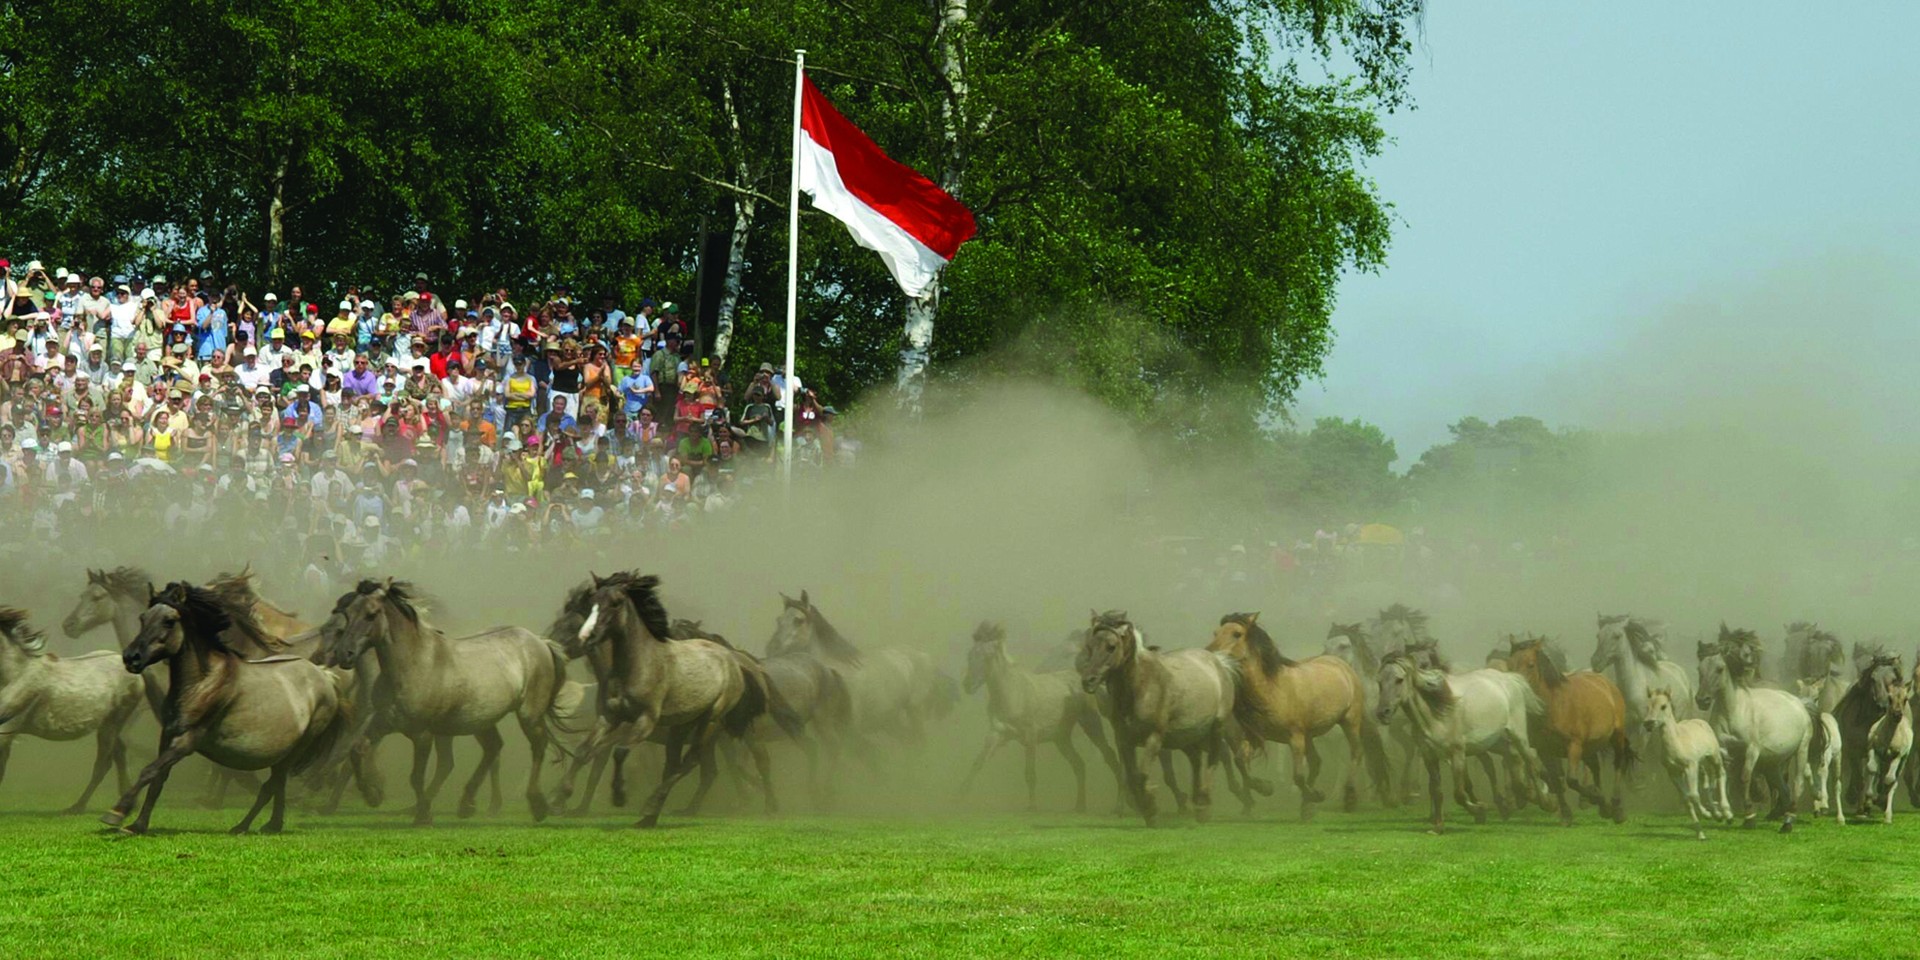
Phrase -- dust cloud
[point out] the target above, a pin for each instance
(1745, 457)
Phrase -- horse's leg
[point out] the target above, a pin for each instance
(1133, 782)
(373, 786)
(6, 751)
(260, 801)
(1063, 742)
(679, 761)
(1462, 787)
(173, 749)
(1172, 783)
(1432, 760)
(1493, 786)
(1297, 752)
(535, 729)
(494, 800)
(1622, 771)
(443, 765)
(709, 769)
(1031, 751)
(1201, 757)
(1096, 732)
(1408, 751)
(1892, 784)
(490, 744)
(1374, 748)
(763, 765)
(120, 760)
(1557, 775)
(277, 820)
(596, 750)
(1749, 759)
(994, 741)
(422, 803)
(1591, 762)
(1688, 780)
(1349, 787)
(1152, 759)
(104, 741)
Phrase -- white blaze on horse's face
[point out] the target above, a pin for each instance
(593, 620)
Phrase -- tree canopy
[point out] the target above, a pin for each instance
(1167, 198)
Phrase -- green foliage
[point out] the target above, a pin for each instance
(1503, 475)
(1192, 167)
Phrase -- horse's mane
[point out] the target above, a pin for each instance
(684, 629)
(402, 595)
(576, 600)
(1637, 636)
(1862, 687)
(1265, 651)
(990, 632)
(234, 591)
(829, 637)
(13, 621)
(128, 580)
(1741, 650)
(1362, 648)
(1400, 612)
(1549, 671)
(1440, 700)
(1609, 619)
(643, 593)
(203, 609)
(1431, 648)
(238, 590)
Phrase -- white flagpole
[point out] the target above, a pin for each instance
(793, 262)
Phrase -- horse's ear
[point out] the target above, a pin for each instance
(151, 596)
(804, 600)
(1093, 616)
(1253, 618)
(597, 582)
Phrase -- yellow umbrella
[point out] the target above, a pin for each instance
(1380, 533)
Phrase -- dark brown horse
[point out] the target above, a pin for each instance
(1586, 716)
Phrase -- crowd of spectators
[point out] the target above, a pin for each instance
(358, 424)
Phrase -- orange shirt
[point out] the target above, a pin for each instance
(626, 351)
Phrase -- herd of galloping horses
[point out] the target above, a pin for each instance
(252, 687)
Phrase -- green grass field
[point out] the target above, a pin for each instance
(361, 884)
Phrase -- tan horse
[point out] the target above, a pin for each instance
(281, 714)
(1586, 716)
(1294, 702)
(1181, 701)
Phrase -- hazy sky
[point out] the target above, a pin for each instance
(1576, 178)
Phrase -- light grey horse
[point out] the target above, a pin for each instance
(1629, 648)
(1033, 708)
(64, 698)
(890, 691)
(1772, 728)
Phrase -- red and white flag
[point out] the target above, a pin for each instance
(915, 226)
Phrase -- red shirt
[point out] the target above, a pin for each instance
(438, 363)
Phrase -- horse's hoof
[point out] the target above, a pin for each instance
(1313, 796)
(579, 811)
(1480, 815)
(538, 804)
(423, 820)
(1787, 827)
(114, 818)
(238, 830)
(1749, 823)
(131, 831)
(1699, 834)
(1261, 786)
(1435, 831)
(1350, 801)
(272, 829)
(619, 798)
(493, 809)
(649, 821)
(75, 810)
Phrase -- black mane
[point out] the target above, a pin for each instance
(643, 593)
(13, 621)
(200, 610)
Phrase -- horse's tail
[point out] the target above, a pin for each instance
(569, 704)
(1624, 757)
(1817, 740)
(784, 715)
(321, 748)
(756, 699)
(1536, 707)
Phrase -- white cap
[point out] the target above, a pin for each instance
(116, 455)
(272, 296)
(72, 278)
(146, 293)
(29, 444)
(35, 265)
(83, 375)
(586, 494)
(459, 304)
(64, 447)
(369, 305)
(249, 351)
(370, 522)
(128, 367)
(346, 304)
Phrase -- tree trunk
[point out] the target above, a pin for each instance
(277, 223)
(921, 313)
(743, 208)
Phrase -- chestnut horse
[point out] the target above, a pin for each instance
(1294, 702)
(1586, 715)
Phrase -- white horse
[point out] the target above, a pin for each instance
(1692, 757)
(1031, 709)
(1772, 727)
(54, 698)
(1823, 754)
(891, 691)
(1887, 747)
(1631, 648)
(1479, 713)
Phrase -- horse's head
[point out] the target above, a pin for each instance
(793, 627)
(1111, 643)
(1348, 641)
(621, 606)
(989, 651)
(1609, 640)
(1659, 708)
(1899, 698)
(1881, 678)
(1398, 626)
(95, 606)
(19, 634)
(1714, 674)
(1426, 655)
(1396, 683)
(364, 617)
(170, 614)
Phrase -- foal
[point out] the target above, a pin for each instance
(1692, 757)
(1887, 747)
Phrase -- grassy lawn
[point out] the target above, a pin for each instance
(1369, 885)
